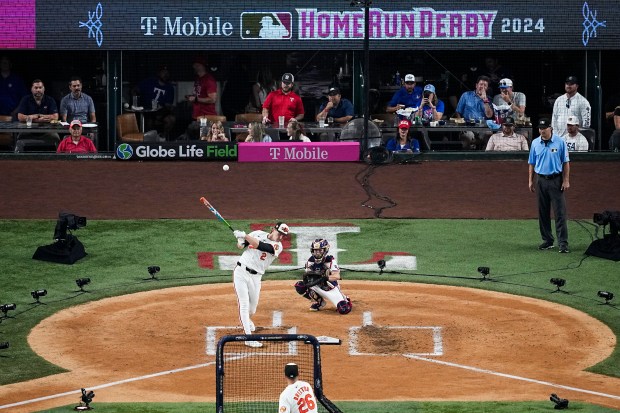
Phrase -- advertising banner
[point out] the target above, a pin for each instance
(299, 152)
(176, 151)
(311, 24)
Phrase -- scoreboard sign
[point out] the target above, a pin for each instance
(313, 24)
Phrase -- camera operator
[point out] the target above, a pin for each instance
(508, 103)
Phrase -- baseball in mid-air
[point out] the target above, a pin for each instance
(225, 167)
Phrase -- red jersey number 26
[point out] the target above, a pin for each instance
(306, 404)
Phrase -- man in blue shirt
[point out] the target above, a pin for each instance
(408, 96)
(38, 108)
(158, 88)
(475, 104)
(12, 88)
(341, 110)
(550, 162)
(77, 105)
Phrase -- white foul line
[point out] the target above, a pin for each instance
(103, 386)
(510, 376)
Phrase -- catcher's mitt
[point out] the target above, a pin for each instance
(312, 279)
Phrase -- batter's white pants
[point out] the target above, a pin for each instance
(247, 287)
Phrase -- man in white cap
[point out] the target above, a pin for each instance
(76, 143)
(298, 396)
(508, 103)
(575, 141)
(408, 96)
(262, 249)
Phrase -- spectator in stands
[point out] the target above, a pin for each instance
(570, 104)
(77, 105)
(575, 141)
(507, 139)
(402, 143)
(408, 96)
(508, 103)
(257, 133)
(614, 140)
(39, 108)
(337, 108)
(12, 88)
(204, 97)
(262, 87)
(215, 133)
(475, 106)
(431, 108)
(158, 88)
(295, 131)
(76, 142)
(283, 102)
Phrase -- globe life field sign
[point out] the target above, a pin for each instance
(195, 151)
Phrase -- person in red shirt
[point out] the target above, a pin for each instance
(283, 102)
(76, 143)
(205, 91)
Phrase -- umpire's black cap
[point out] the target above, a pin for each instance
(291, 370)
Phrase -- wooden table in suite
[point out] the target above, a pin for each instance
(20, 127)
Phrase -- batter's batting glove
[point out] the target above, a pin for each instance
(241, 242)
(239, 234)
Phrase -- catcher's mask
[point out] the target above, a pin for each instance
(319, 249)
(282, 228)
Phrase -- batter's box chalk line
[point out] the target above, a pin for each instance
(437, 338)
(212, 337)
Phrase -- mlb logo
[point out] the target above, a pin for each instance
(266, 25)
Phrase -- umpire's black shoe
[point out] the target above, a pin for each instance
(563, 249)
(547, 245)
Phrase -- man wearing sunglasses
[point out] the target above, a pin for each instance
(508, 103)
(571, 103)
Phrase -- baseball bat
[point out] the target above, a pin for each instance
(217, 214)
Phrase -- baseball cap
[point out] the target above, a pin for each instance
(404, 124)
(509, 121)
(288, 78)
(571, 80)
(409, 78)
(504, 83)
(75, 122)
(291, 370)
(429, 88)
(572, 120)
(333, 91)
(544, 123)
(282, 228)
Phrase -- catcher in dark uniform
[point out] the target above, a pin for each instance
(320, 280)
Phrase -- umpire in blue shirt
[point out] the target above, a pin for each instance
(549, 161)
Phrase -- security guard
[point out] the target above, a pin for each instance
(549, 161)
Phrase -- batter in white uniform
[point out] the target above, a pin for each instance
(298, 396)
(262, 249)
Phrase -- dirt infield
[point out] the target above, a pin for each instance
(151, 346)
(134, 346)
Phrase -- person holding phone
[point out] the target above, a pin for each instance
(431, 108)
(508, 103)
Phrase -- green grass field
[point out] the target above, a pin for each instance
(448, 252)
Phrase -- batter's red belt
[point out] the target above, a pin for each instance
(248, 269)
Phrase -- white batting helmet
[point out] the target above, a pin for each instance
(282, 228)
